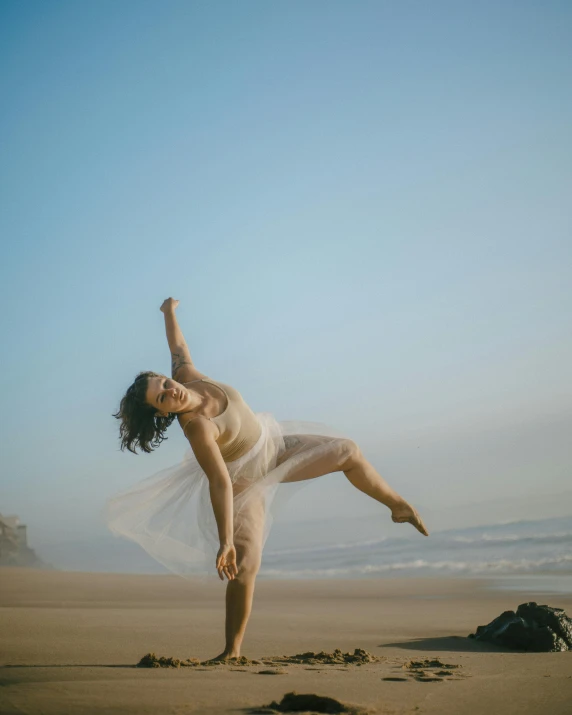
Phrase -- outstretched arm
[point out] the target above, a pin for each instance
(182, 367)
(201, 435)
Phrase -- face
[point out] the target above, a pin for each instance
(167, 395)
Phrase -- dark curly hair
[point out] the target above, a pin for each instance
(141, 426)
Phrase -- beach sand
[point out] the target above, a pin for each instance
(70, 643)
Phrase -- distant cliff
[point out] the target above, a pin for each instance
(14, 549)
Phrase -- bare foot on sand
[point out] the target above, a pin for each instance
(224, 657)
(405, 513)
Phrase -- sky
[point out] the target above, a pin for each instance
(364, 209)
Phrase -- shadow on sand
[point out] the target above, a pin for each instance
(459, 644)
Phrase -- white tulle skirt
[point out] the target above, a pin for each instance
(171, 516)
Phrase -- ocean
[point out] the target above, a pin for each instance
(508, 550)
(520, 555)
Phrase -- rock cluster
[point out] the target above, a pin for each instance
(532, 628)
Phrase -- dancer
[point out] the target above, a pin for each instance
(218, 503)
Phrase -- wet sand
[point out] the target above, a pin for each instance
(70, 643)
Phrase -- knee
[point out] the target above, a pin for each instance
(248, 567)
(350, 453)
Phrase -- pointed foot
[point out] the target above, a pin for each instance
(408, 515)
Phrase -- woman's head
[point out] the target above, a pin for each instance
(167, 396)
(143, 424)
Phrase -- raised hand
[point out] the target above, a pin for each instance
(226, 562)
(169, 304)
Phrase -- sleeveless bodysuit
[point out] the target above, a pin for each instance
(238, 426)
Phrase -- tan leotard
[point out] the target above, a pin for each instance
(238, 427)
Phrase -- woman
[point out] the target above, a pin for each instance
(222, 494)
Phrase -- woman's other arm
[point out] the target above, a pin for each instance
(182, 367)
(201, 435)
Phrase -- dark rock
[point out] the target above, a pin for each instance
(294, 703)
(553, 618)
(532, 628)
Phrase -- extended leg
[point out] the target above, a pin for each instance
(311, 456)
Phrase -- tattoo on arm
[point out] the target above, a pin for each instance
(177, 361)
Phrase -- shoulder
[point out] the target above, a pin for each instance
(202, 434)
(186, 372)
(197, 428)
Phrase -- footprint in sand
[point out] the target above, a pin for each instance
(432, 670)
(271, 672)
(427, 679)
(395, 679)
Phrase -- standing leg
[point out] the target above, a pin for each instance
(249, 527)
(313, 456)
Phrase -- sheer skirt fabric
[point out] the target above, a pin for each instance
(171, 516)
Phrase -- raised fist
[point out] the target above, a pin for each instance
(169, 304)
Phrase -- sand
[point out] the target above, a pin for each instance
(70, 643)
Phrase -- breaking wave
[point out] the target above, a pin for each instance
(424, 567)
(493, 539)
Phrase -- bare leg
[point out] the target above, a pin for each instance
(316, 456)
(333, 455)
(365, 478)
(249, 525)
(239, 597)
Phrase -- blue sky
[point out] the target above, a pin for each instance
(363, 208)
